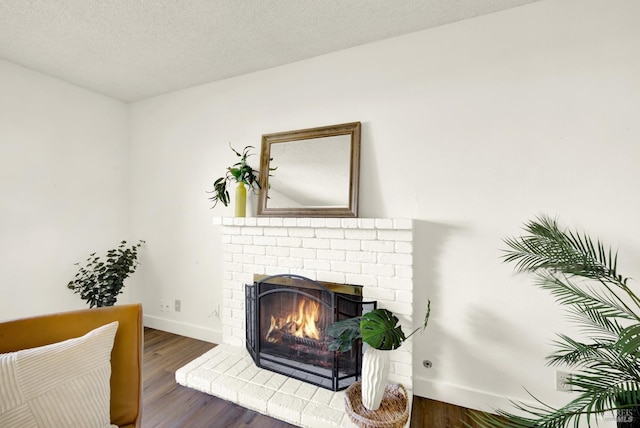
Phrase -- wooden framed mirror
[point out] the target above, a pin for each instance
(317, 172)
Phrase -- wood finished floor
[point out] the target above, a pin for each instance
(169, 405)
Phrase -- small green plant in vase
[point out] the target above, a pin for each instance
(380, 329)
(241, 173)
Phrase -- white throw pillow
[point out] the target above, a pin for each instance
(65, 384)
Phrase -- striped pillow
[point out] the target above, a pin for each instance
(64, 384)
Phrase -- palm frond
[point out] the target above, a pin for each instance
(539, 415)
(583, 296)
(600, 398)
(571, 352)
(629, 342)
(548, 247)
(581, 274)
(592, 324)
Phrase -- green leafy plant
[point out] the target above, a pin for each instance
(239, 172)
(379, 329)
(99, 282)
(582, 276)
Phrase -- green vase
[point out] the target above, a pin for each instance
(241, 200)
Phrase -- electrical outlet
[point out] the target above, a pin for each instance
(165, 306)
(177, 305)
(562, 381)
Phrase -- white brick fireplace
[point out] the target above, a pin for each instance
(374, 253)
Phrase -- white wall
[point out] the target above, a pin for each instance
(472, 129)
(64, 182)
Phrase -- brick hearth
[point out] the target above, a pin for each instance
(228, 372)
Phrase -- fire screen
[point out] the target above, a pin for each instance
(286, 320)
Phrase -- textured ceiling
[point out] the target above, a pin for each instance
(133, 49)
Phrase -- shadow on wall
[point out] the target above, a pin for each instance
(445, 346)
(429, 240)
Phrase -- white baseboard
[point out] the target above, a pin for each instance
(459, 395)
(183, 329)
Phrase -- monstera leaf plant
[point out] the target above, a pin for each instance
(582, 275)
(380, 329)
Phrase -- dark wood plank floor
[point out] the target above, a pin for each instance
(169, 405)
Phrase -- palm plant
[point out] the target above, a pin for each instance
(582, 276)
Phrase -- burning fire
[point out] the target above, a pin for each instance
(302, 323)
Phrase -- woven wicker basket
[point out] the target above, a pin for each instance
(392, 413)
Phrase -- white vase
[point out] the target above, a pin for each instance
(375, 369)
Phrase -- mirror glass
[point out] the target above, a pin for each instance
(316, 173)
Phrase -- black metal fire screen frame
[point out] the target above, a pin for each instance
(342, 301)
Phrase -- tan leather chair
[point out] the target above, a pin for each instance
(126, 356)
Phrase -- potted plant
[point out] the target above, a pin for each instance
(241, 173)
(99, 282)
(582, 276)
(381, 331)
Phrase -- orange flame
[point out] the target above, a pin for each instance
(302, 323)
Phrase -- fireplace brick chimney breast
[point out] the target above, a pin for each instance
(374, 253)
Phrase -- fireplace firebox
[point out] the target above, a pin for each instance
(286, 320)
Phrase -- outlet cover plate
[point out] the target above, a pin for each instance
(562, 379)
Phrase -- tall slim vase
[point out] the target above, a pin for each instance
(241, 201)
(375, 370)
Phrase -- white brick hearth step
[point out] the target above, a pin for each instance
(228, 372)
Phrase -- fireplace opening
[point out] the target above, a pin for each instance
(286, 320)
